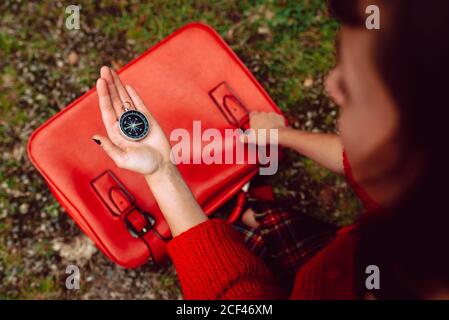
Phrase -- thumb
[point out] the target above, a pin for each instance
(115, 153)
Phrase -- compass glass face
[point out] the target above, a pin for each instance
(134, 125)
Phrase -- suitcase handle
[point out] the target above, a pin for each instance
(230, 105)
(237, 211)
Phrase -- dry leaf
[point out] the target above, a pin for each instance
(269, 14)
(72, 58)
(308, 82)
(264, 30)
(80, 249)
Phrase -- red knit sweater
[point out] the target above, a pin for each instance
(212, 262)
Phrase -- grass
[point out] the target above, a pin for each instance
(288, 45)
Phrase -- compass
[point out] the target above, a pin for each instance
(134, 125)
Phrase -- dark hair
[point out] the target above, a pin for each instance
(409, 240)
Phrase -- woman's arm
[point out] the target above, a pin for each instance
(211, 260)
(176, 201)
(325, 149)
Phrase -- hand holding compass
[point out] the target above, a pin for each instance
(135, 140)
(133, 124)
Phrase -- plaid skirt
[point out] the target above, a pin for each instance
(285, 240)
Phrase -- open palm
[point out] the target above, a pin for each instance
(145, 156)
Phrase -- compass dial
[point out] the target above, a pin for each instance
(134, 125)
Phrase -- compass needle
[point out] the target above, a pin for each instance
(134, 125)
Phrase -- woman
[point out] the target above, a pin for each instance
(390, 85)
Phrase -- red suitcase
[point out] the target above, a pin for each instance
(190, 75)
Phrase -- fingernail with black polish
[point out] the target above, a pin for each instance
(97, 141)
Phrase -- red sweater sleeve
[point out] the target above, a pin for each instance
(212, 262)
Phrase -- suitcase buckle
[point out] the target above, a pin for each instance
(138, 222)
(121, 203)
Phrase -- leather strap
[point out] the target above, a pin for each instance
(122, 204)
